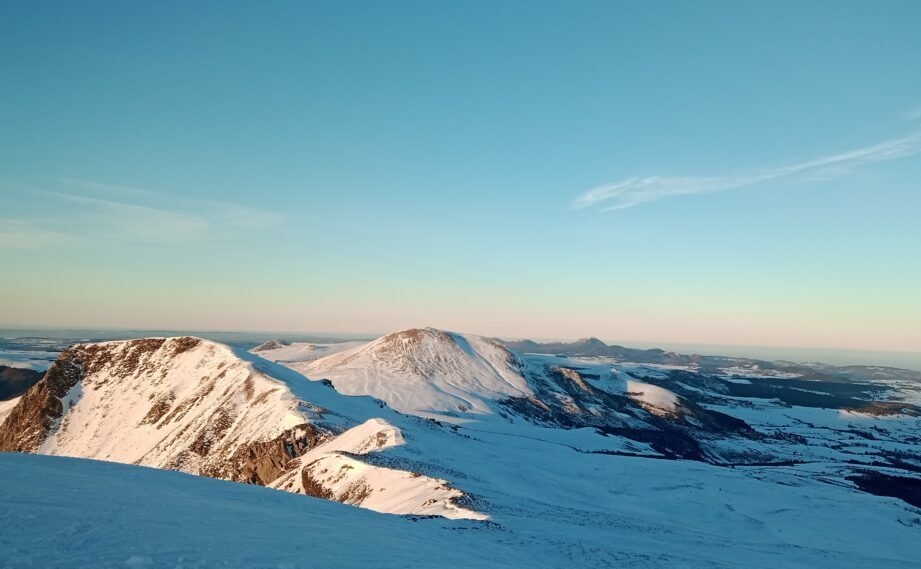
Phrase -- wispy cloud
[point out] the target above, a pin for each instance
(26, 235)
(634, 191)
(102, 212)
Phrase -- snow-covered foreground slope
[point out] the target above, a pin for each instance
(552, 508)
(79, 514)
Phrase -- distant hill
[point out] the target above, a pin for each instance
(15, 381)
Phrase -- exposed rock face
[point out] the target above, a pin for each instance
(262, 462)
(40, 408)
(178, 403)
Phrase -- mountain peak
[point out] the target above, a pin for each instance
(591, 341)
(426, 371)
(417, 334)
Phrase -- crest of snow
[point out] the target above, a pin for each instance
(426, 372)
(333, 467)
(653, 398)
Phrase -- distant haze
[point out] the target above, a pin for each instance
(905, 360)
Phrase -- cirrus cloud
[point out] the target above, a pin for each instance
(637, 190)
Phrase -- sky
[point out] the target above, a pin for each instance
(734, 172)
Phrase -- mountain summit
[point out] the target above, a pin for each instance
(427, 372)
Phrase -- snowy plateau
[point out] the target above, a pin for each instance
(427, 448)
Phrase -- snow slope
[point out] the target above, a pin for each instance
(656, 399)
(80, 514)
(6, 407)
(553, 508)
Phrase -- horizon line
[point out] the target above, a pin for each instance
(637, 344)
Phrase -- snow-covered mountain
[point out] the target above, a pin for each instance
(460, 378)
(196, 406)
(426, 372)
(728, 411)
(182, 404)
(542, 459)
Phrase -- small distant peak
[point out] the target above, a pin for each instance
(271, 345)
(592, 341)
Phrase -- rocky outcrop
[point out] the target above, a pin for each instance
(39, 409)
(262, 462)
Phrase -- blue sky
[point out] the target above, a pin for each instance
(725, 172)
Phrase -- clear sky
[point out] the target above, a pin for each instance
(737, 172)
